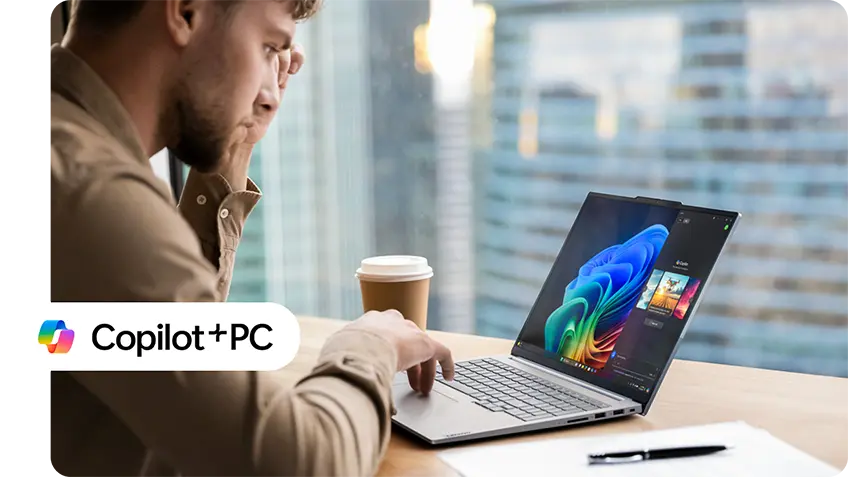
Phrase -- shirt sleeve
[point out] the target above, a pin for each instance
(122, 240)
(335, 421)
(217, 214)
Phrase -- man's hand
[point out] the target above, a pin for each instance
(290, 62)
(417, 352)
(234, 167)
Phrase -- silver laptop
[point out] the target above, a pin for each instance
(601, 334)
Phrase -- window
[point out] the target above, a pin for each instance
(479, 155)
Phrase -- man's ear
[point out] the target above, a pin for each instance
(182, 18)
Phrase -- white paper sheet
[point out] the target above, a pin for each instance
(755, 453)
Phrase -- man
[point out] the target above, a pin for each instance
(204, 79)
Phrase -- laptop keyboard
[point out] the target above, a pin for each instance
(502, 388)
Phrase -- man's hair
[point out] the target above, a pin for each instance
(104, 15)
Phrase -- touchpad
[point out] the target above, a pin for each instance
(416, 404)
(442, 413)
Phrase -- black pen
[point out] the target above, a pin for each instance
(652, 454)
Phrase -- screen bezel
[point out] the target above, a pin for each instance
(537, 355)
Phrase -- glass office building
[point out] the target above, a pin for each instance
(729, 105)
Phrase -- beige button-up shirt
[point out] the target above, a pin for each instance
(117, 235)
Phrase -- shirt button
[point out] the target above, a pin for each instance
(225, 213)
(201, 199)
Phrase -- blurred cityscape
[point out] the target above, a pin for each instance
(470, 133)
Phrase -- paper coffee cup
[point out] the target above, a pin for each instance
(398, 282)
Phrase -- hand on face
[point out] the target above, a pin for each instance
(289, 63)
(237, 159)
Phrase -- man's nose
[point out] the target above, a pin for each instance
(269, 99)
(271, 92)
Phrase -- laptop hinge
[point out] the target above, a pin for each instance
(571, 379)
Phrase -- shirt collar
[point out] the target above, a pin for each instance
(73, 79)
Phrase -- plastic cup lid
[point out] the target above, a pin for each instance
(392, 268)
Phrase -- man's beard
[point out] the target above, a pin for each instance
(198, 140)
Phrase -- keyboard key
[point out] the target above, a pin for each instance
(460, 387)
(519, 414)
(484, 404)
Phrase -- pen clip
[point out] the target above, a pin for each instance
(605, 459)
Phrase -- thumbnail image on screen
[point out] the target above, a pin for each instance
(599, 299)
(668, 293)
(686, 299)
(650, 287)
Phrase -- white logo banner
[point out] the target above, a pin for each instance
(38, 337)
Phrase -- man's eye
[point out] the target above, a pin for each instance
(271, 49)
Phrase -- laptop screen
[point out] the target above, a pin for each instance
(621, 290)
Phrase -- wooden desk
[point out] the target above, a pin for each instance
(809, 412)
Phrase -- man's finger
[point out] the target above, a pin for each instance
(428, 376)
(413, 374)
(282, 66)
(298, 57)
(445, 358)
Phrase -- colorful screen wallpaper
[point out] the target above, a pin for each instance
(599, 299)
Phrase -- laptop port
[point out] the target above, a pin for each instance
(600, 415)
(578, 420)
(618, 413)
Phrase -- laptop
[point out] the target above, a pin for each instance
(601, 334)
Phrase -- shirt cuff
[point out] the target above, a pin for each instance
(364, 359)
(215, 212)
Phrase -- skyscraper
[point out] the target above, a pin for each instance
(714, 104)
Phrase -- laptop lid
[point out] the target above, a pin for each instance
(622, 290)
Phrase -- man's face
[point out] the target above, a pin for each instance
(227, 85)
